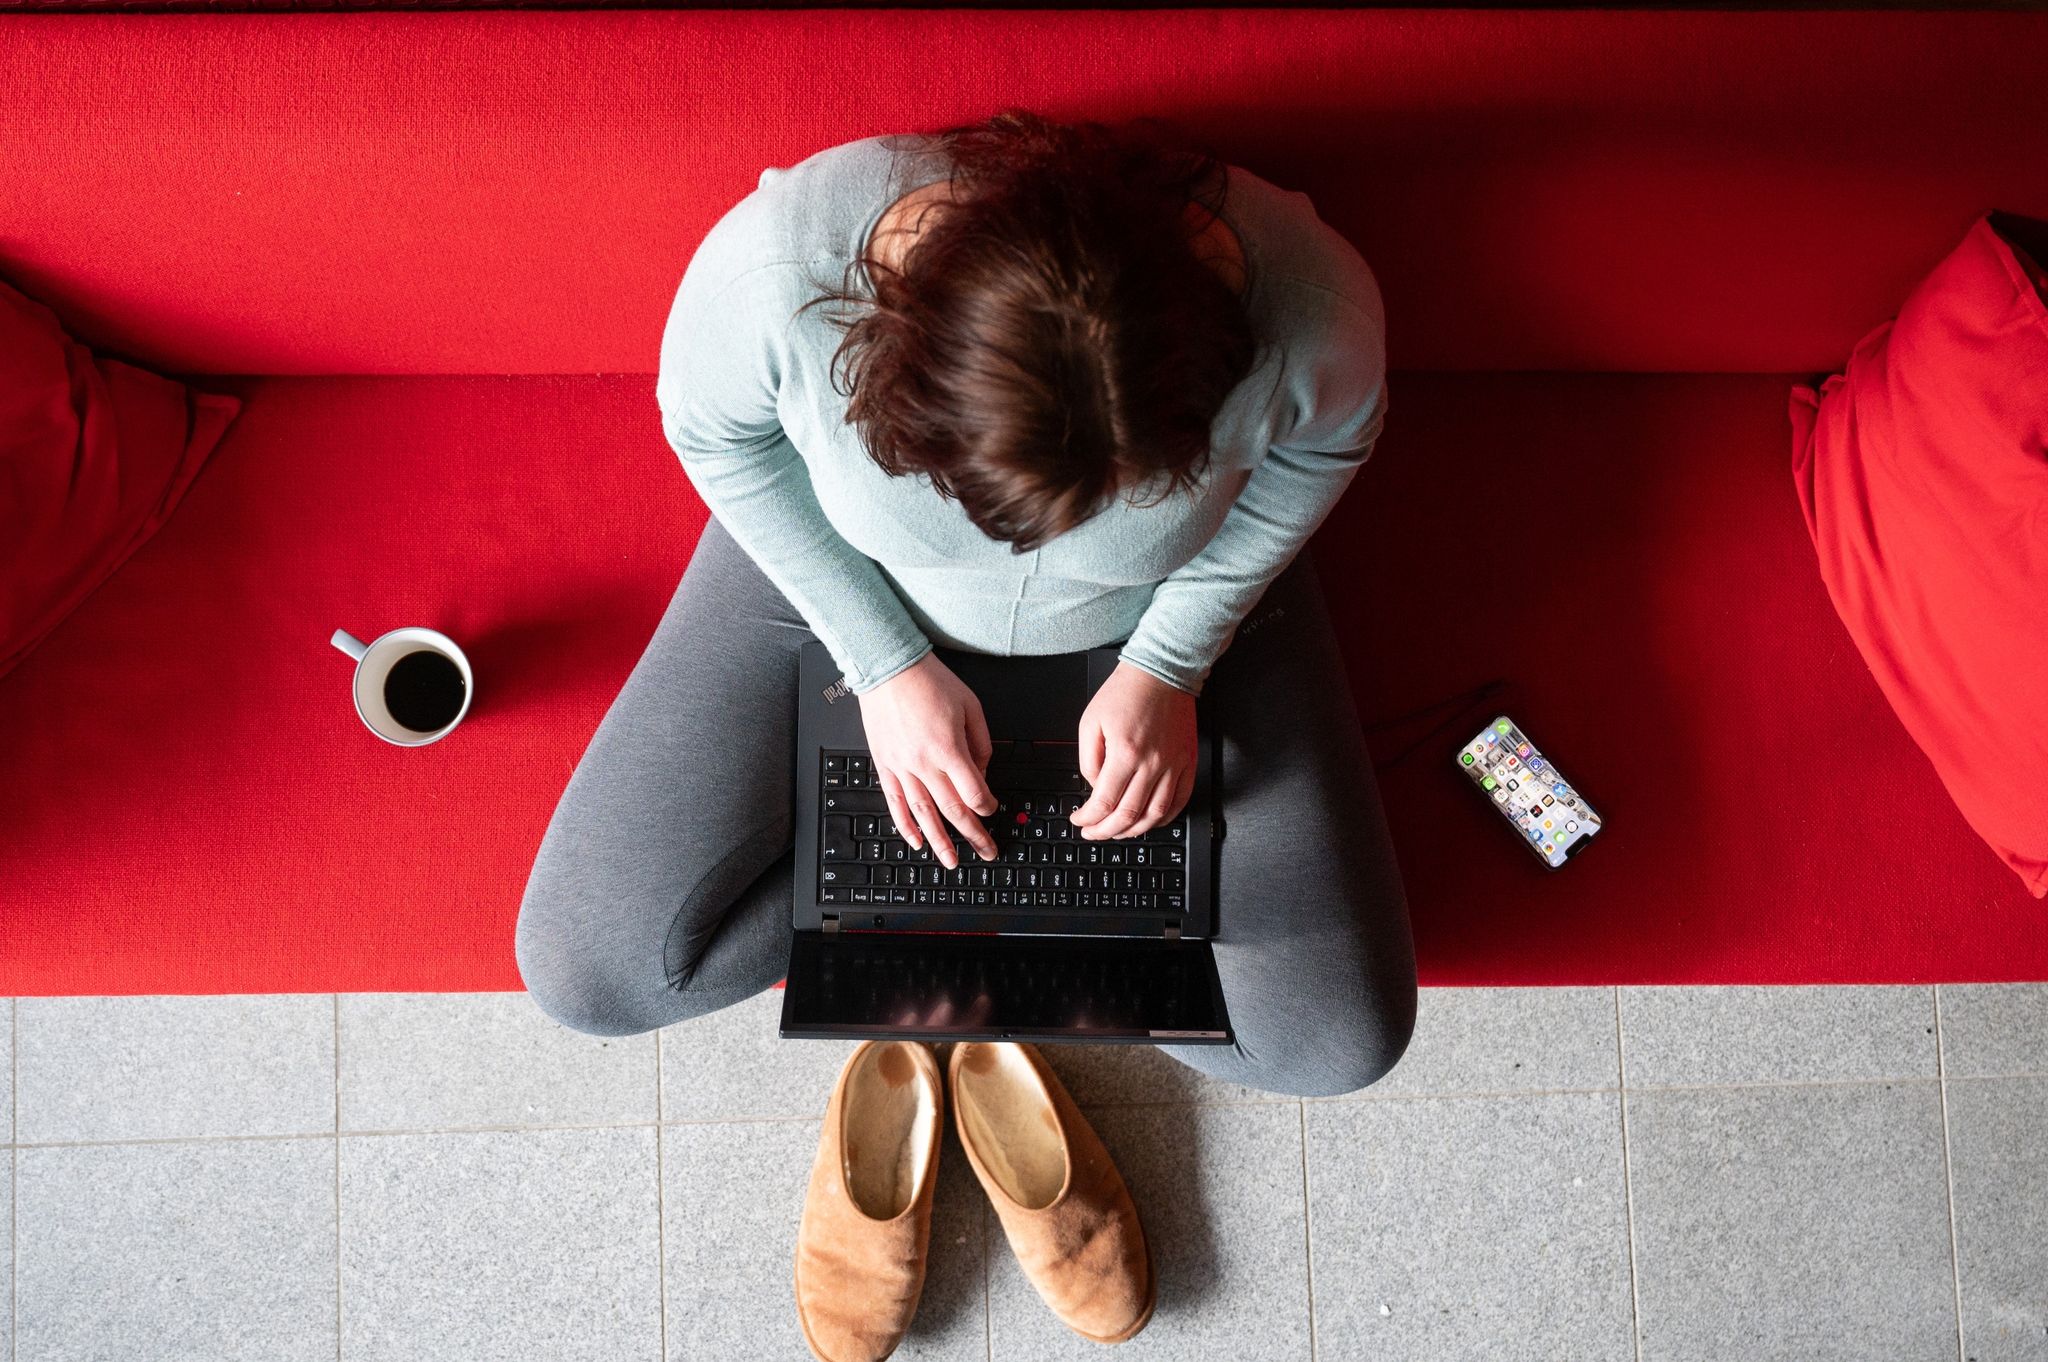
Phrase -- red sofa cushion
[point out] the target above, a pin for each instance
(256, 846)
(94, 456)
(1923, 472)
(519, 192)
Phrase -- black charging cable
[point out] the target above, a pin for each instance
(1457, 706)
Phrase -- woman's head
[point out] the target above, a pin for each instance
(1051, 337)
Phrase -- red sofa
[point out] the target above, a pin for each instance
(433, 253)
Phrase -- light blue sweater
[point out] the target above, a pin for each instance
(881, 568)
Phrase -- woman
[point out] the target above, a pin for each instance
(1075, 394)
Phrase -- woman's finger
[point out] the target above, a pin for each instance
(1168, 799)
(1109, 784)
(1130, 808)
(1091, 749)
(906, 826)
(955, 811)
(967, 779)
(1183, 790)
(924, 809)
(978, 745)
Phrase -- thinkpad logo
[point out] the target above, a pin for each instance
(837, 689)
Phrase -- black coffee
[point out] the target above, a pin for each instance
(423, 690)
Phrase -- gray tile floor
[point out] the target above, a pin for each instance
(1655, 1174)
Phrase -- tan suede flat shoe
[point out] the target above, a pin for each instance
(1064, 1207)
(860, 1250)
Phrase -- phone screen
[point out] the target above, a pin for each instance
(1552, 819)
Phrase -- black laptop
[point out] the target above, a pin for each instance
(1058, 939)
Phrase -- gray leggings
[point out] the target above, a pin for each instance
(662, 890)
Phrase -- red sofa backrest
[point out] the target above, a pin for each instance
(513, 192)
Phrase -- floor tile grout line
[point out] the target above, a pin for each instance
(1628, 1190)
(1308, 1236)
(1786, 1083)
(1994, 1078)
(660, 1203)
(337, 1177)
(768, 1119)
(1948, 1169)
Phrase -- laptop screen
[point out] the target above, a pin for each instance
(971, 986)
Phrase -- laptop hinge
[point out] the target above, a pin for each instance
(831, 922)
(1173, 931)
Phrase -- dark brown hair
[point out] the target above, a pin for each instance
(1051, 336)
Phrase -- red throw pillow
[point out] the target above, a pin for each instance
(1923, 472)
(94, 456)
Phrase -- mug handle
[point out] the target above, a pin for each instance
(349, 644)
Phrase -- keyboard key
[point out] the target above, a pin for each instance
(838, 839)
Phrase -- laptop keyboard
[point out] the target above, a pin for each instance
(1042, 862)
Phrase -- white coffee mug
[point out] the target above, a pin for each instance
(374, 662)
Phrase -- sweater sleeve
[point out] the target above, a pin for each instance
(1339, 398)
(723, 355)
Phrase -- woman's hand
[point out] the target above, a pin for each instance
(1138, 752)
(929, 743)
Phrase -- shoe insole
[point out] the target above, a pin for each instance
(890, 1118)
(1007, 1114)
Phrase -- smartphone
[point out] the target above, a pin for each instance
(1548, 816)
